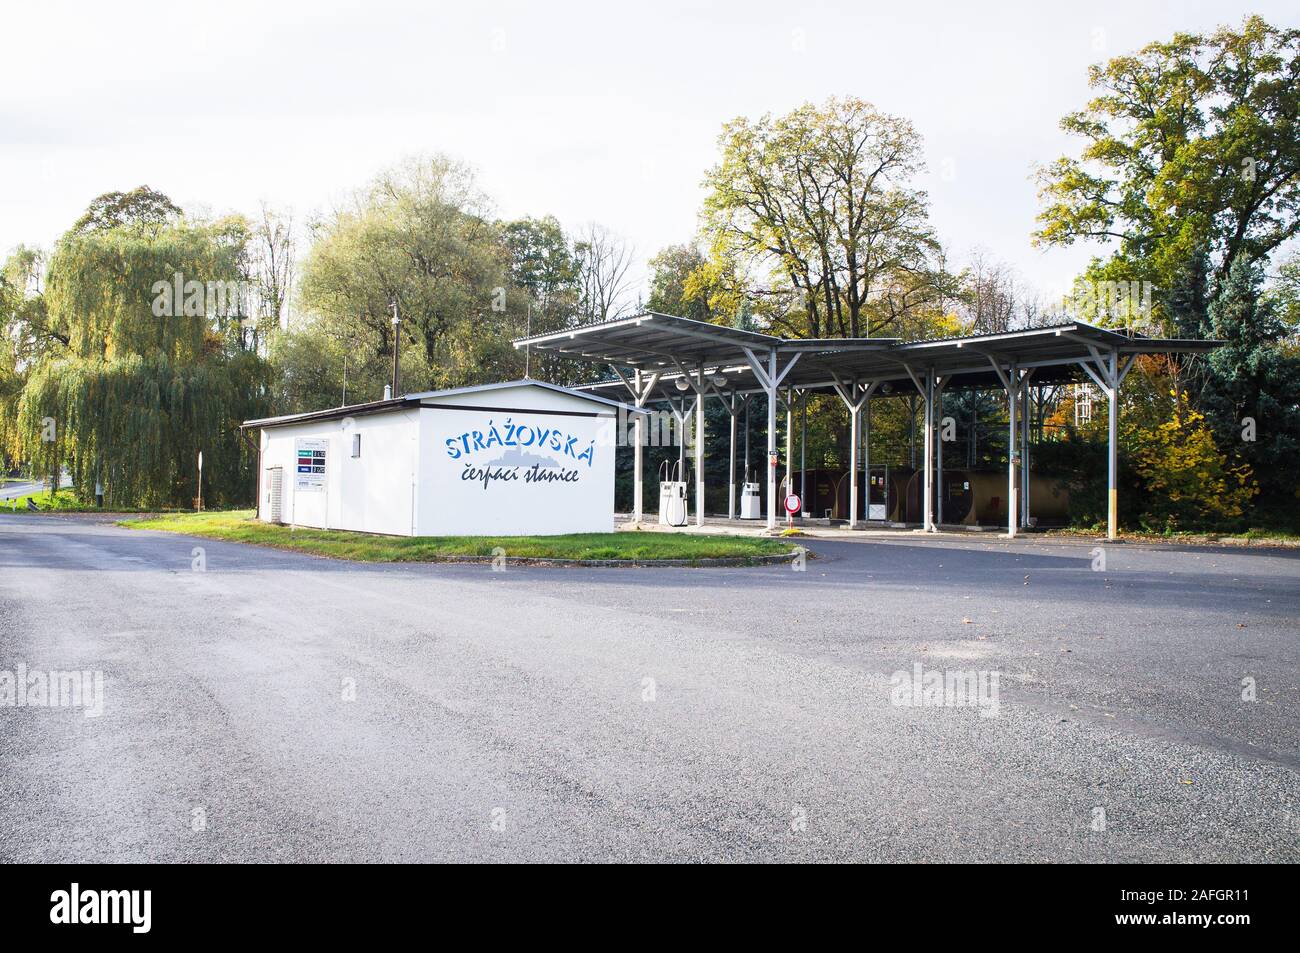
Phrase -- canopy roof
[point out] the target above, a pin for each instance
(673, 347)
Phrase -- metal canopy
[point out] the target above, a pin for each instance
(964, 362)
(672, 358)
(650, 340)
(671, 345)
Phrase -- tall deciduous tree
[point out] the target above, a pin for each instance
(676, 283)
(544, 295)
(1191, 159)
(604, 260)
(1190, 175)
(818, 208)
(420, 235)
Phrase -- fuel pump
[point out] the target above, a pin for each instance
(751, 503)
(672, 494)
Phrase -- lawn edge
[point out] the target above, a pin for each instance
(675, 563)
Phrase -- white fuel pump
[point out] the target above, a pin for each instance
(672, 494)
(751, 504)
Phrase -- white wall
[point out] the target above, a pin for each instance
(381, 493)
(372, 493)
(453, 499)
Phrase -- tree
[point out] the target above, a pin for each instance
(124, 393)
(675, 283)
(1190, 175)
(273, 264)
(1251, 385)
(993, 294)
(420, 235)
(544, 273)
(603, 263)
(1191, 160)
(817, 209)
(141, 209)
(542, 263)
(1187, 481)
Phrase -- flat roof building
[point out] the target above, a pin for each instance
(519, 458)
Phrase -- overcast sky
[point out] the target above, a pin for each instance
(592, 112)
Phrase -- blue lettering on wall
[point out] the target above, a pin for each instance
(520, 435)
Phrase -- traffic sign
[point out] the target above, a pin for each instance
(792, 504)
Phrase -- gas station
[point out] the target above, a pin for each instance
(661, 360)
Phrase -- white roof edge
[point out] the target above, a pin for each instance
(523, 382)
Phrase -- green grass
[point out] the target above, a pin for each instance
(47, 502)
(61, 502)
(239, 526)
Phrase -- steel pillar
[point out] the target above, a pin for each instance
(771, 387)
(699, 447)
(731, 472)
(638, 463)
(1112, 447)
(1013, 504)
(928, 508)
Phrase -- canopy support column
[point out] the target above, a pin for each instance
(789, 441)
(640, 394)
(731, 472)
(771, 441)
(1108, 373)
(1025, 415)
(854, 396)
(638, 463)
(1013, 453)
(699, 447)
(928, 509)
(803, 451)
(853, 463)
(866, 454)
(770, 381)
(1013, 382)
(1112, 453)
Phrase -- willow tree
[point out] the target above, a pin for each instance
(149, 373)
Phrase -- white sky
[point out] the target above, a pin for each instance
(588, 111)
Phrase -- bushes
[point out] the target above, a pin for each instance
(1187, 482)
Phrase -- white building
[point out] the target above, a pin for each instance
(520, 458)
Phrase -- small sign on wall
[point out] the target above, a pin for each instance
(309, 472)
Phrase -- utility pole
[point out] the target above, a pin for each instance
(396, 343)
(528, 348)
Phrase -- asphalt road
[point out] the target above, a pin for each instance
(287, 708)
(10, 491)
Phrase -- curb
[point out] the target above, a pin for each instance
(718, 562)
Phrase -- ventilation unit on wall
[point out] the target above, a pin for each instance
(275, 494)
